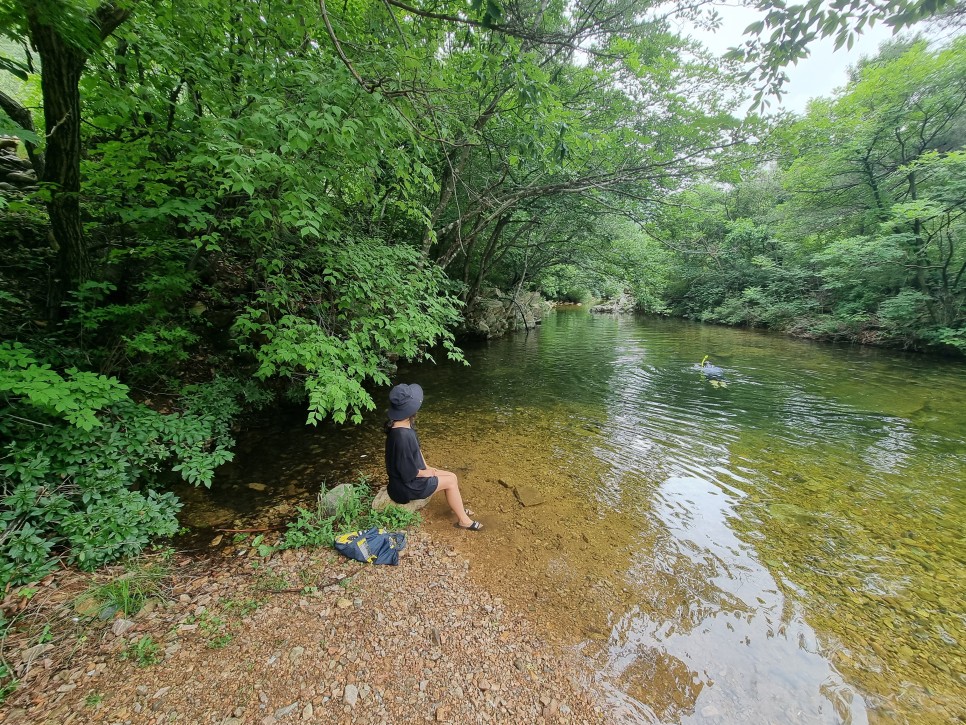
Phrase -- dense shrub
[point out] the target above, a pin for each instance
(83, 464)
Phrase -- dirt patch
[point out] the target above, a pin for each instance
(301, 637)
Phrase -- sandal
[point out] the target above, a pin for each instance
(475, 526)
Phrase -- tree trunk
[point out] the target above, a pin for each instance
(62, 62)
(62, 66)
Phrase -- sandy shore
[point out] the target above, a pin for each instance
(303, 636)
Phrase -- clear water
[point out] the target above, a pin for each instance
(789, 548)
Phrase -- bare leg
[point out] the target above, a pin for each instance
(450, 487)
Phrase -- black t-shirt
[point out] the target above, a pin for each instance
(403, 461)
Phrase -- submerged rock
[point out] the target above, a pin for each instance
(528, 496)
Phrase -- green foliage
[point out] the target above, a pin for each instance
(564, 283)
(8, 683)
(320, 526)
(858, 233)
(144, 651)
(79, 482)
(365, 301)
(75, 396)
(128, 592)
(947, 336)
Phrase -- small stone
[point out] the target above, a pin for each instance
(142, 690)
(295, 654)
(121, 626)
(343, 603)
(284, 711)
(309, 712)
(257, 487)
(32, 653)
(528, 496)
(351, 695)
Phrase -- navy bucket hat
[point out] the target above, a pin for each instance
(404, 401)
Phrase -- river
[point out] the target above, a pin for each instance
(786, 548)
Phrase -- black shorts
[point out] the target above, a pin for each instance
(420, 488)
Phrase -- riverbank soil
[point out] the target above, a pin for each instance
(299, 636)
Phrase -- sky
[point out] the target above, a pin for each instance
(817, 75)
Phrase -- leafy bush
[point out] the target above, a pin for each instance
(83, 463)
(905, 315)
(949, 336)
(379, 302)
(320, 526)
(565, 283)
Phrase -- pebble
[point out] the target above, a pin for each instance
(284, 711)
(351, 695)
(121, 626)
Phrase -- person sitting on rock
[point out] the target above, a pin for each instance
(409, 476)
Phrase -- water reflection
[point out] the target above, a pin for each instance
(717, 635)
(785, 549)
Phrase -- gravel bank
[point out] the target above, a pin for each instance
(308, 637)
